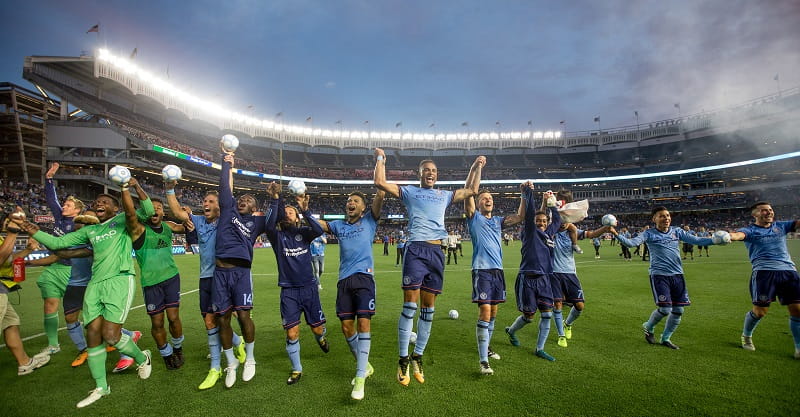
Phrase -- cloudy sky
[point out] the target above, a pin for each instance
(423, 62)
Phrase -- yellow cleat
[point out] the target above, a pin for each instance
(416, 363)
(402, 371)
(211, 379)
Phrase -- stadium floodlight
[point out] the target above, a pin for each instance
(548, 135)
(494, 136)
(537, 135)
(396, 136)
(557, 134)
(440, 136)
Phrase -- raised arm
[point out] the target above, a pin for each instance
(316, 227)
(473, 182)
(173, 203)
(469, 207)
(377, 204)
(50, 192)
(175, 227)
(226, 183)
(135, 228)
(379, 177)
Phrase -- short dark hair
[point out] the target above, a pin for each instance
(156, 200)
(425, 161)
(483, 190)
(541, 212)
(760, 203)
(565, 195)
(657, 209)
(114, 199)
(212, 192)
(359, 194)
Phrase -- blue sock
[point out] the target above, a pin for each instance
(165, 350)
(544, 329)
(656, 317)
(424, 325)
(482, 334)
(236, 339)
(364, 345)
(352, 341)
(491, 329)
(249, 349)
(177, 342)
(213, 348)
(519, 323)
(76, 334)
(293, 349)
(558, 317)
(672, 323)
(750, 323)
(574, 313)
(404, 327)
(794, 326)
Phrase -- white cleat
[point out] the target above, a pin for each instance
(486, 369)
(230, 375)
(249, 370)
(146, 367)
(94, 395)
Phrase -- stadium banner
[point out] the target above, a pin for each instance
(44, 218)
(178, 250)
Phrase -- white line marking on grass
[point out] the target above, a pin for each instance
(65, 328)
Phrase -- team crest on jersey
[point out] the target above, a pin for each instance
(249, 224)
(112, 225)
(151, 307)
(214, 308)
(775, 229)
(406, 280)
(298, 238)
(662, 297)
(763, 297)
(483, 296)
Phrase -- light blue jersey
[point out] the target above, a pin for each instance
(665, 257)
(318, 247)
(563, 260)
(355, 244)
(767, 246)
(207, 240)
(486, 236)
(426, 207)
(81, 272)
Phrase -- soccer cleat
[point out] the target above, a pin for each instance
(51, 349)
(544, 355)
(230, 375)
(171, 362)
(37, 361)
(747, 343)
(249, 370)
(402, 371)
(179, 359)
(239, 351)
(416, 365)
(669, 344)
(486, 369)
(80, 359)
(323, 344)
(145, 368)
(367, 374)
(136, 336)
(211, 379)
(358, 389)
(649, 336)
(512, 338)
(294, 378)
(110, 348)
(123, 364)
(94, 395)
(492, 354)
(577, 249)
(562, 341)
(568, 331)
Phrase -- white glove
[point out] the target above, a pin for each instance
(550, 198)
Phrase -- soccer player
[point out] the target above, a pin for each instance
(318, 258)
(596, 242)
(237, 231)
(774, 273)
(9, 320)
(160, 278)
(423, 266)
(625, 252)
(688, 248)
(299, 292)
(110, 292)
(53, 281)
(452, 247)
(564, 282)
(401, 244)
(205, 227)
(702, 232)
(355, 296)
(488, 280)
(666, 273)
(533, 280)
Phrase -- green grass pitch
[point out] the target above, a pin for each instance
(608, 368)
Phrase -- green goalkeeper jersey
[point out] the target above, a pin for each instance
(155, 256)
(110, 242)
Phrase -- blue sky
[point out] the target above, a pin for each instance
(440, 62)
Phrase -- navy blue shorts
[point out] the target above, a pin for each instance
(566, 288)
(488, 286)
(232, 288)
(206, 289)
(295, 300)
(164, 295)
(423, 267)
(766, 285)
(355, 296)
(73, 298)
(669, 290)
(533, 292)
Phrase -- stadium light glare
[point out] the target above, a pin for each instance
(537, 135)
(327, 133)
(548, 135)
(339, 133)
(396, 136)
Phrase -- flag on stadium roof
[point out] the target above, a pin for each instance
(464, 123)
(432, 125)
(135, 51)
(678, 106)
(398, 124)
(309, 118)
(530, 122)
(279, 114)
(562, 122)
(338, 122)
(776, 77)
(95, 28)
(597, 119)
